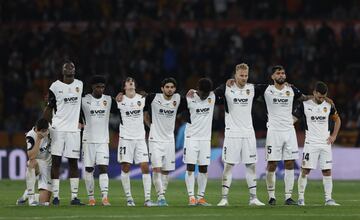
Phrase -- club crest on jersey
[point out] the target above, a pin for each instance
(325, 109)
(174, 103)
(104, 102)
(209, 100)
(77, 89)
(139, 103)
(287, 93)
(248, 92)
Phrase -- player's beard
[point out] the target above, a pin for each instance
(169, 95)
(280, 81)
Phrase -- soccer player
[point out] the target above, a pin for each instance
(38, 151)
(317, 114)
(132, 146)
(239, 143)
(281, 141)
(63, 111)
(197, 146)
(160, 115)
(96, 109)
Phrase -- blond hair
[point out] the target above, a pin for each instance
(241, 66)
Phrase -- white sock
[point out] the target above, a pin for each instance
(125, 180)
(89, 183)
(165, 182)
(147, 185)
(270, 183)
(289, 183)
(104, 184)
(158, 185)
(328, 185)
(190, 182)
(30, 184)
(25, 194)
(251, 179)
(56, 187)
(74, 187)
(226, 179)
(302, 181)
(201, 181)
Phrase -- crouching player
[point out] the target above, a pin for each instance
(38, 151)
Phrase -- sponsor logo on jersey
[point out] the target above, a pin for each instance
(71, 100)
(241, 101)
(203, 110)
(133, 113)
(166, 112)
(287, 93)
(318, 118)
(97, 112)
(280, 101)
(104, 102)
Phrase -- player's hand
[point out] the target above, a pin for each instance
(288, 84)
(230, 82)
(119, 97)
(190, 93)
(143, 93)
(331, 139)
(80, 126)
(328, 100)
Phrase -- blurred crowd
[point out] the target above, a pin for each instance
(30, 54)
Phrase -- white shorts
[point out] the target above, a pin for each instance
(65, 143)
(281, 145)
(130, 151)
(162, 154)
(197, 152)
(317, 152)
(44, 181)
(236, 150)
(95, 154)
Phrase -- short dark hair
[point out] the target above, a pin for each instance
(168, 80)
(276, 68)
(321, 87)
(42, 123)
(205, 85)
(129, 79)
(98, 79)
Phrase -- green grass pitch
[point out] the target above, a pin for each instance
(346, 193)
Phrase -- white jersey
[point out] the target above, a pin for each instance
(201, 117)
(44, 151)
(279, 104)
(238, 105)
(163, 115)
(317, 129)
(65, 99)
(96, 113)
(132, 117)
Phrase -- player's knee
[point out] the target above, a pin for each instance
(144, 168)
(203, 169)
(305, 172)
(125, 167)
(326, 172)
(32, 164)
(102, 169)
(157, 169)
(89, 169)
(190, 167)
(271, 166)
(73, 163)
(289, 164)
(165, 172)
(55, 161)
